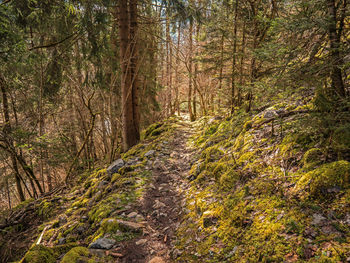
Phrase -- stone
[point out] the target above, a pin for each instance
(209, 219)
(132, 215)
(130, 226)
(317, 219)
(115, 166)
(62, 219)
(156, 260)
(139, 218)
(141, 242)
(103, 243)
(102, 184)
(150, 153)
(81, 229)
(270, 114)
(158, 204)
(61, 241)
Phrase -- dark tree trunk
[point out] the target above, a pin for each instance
(7, 132)
(233, 81)
(129, 56)
(336, 59)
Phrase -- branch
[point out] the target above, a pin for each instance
(52, 44)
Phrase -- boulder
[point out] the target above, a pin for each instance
(130, 226)
(103, 243)
(150, 153)
(115, 166)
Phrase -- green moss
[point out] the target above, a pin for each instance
(248, 125)
(75, 255)
(45, 209)
(116, 177)
(109, 225)
(326, 176)
(211, 130)
(312, 156)
(39, 254)
(211, 154)
(229, 179)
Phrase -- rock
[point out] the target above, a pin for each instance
(103, 243)
(150, 153)
(62, 219)
(81, 229)
(141, 242)
(317, 219)
(132, 215)
(102, 184)
(176, 253)
(209, 219)
(130, 226)
(139, 218)
(156, 260)
(115, 166)
(158, 204)
(270, 114)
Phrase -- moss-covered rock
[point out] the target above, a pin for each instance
(312, 156)
(326, 176)
(39, 254)
(75, 255)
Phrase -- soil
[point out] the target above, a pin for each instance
(161, 205)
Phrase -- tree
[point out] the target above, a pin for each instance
(129, 79)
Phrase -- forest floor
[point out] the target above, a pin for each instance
(240, 189)
(163, 201)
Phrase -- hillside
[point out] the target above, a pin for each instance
(251, 188)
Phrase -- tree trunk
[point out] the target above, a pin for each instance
(7, 130)
(129, 56)
(336, 60)
(177, 104)
(189, 98)
(239, 95)
(233, 82)
(220, 71)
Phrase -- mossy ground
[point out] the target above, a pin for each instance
(90, 209)
(264, 185)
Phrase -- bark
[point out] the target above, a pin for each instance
(222, 41)
(336, 59)
(189, 97)
(177, 104)
(239, 96)
(233, 81)
(128, 56)
(7, 131)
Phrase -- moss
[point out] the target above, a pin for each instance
(329, 175)
(248, 125)
(211, 154)
(211, 130)
(75, 255)
(45, 209)
(109, 225)
(39, 254)
(229, 179)
(312, 156)
(152, 128)
(116, 177)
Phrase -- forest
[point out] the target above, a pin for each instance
(174, 131)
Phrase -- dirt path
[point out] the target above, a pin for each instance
(162, 203)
